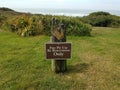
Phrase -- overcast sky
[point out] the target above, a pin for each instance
(64, 4)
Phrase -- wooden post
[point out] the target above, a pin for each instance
(58, 32)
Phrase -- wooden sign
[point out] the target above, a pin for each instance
(58, 51)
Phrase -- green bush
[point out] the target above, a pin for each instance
(77, 28)
(26, 25)
(46, 25)
(102, 19)
(99, 13)
(74, 26)
(2, 20)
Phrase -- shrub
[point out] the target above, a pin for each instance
(102, 19)
(99, 13)
(27, 25)
(75, 27)
(2, 20)
(38, 24)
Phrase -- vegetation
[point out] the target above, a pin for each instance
(102, 19)
(26, 24)
(95, 63)
(35, 25)
(2, 19)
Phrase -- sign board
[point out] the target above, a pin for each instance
(58, 51)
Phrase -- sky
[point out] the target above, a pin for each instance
(63, 4)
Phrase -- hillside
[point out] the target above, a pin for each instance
(8, 11)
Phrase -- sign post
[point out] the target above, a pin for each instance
(58, 49)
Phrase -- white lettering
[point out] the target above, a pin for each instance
(58, 47)
(48, 50)
(58, 54)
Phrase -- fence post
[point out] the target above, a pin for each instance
(58, 32)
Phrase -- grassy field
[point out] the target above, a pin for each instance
(95, 63)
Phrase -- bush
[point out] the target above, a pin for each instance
(102, 19)
(26, 25)
(2, 20)
(38, 24)
(77, 28)
(99, 13)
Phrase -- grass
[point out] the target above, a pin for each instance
(95, 63)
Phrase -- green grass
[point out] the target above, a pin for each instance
(95, 63)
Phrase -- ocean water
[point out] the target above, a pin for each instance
(66, 12)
